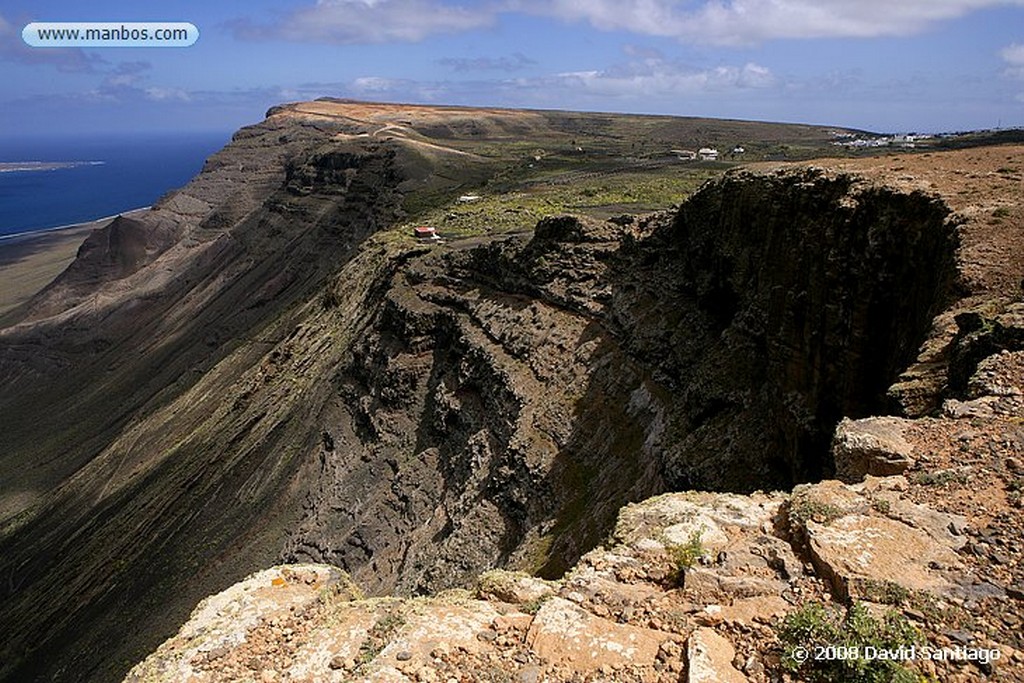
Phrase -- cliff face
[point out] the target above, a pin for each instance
(258, 373)
(507, 399)
(121, 433)
(797, 298)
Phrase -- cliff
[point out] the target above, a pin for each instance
(261, 371)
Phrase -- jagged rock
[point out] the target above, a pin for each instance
(575, 229)
(718, 519)
(709, 658)
(1001, 374)
(868, 534)
(870, 548)
(514, 587)
(304, 622)
(748, 610)
(729, 544)
(982, 339)
(862, 538)
(565, 634)
(873, 445)
(223, 622)
(986, 407)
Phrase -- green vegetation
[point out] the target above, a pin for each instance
(533, 606)
(891, 593)
(828, 644)
(979, 138)
(885, 592)
(379, 636)
(686, 555)
(529, 165)
(520, 206)
(939, 477)
(803, 509)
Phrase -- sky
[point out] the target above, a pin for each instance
(877, 65)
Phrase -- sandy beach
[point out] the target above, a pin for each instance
(30, 261)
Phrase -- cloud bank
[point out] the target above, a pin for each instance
(719, 22)
(744, 22)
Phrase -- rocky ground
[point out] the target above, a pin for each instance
(689, 587)
(917, 541)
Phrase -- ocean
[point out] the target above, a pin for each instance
(136, 171)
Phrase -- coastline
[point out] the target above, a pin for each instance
(37, 166)
(30, 260)
(71, 226)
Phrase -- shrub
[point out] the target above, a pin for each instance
(379, 636)
(885, 592)
(814, 627)
(686, 555)
(804, 509)
(533, 606)
(939, 478)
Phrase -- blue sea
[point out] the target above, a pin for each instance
(136, 171)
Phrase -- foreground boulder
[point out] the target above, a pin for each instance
(869, 534)
(874, 445)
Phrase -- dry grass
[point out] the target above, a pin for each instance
(27, 264)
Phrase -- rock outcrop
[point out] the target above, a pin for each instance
(633, 610)
(873, 445)
(504, 383)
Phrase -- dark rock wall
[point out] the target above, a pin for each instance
(482, 416)
(772, 306)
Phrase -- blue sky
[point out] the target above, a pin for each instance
(895, 66)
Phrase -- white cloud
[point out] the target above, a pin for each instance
(515, 62)
(127, 75)
(637, 85)
(395, 88)
(660, 79)
(167, 94)
(1013, 55)
(740, 22)
(376, 84)
(369, 21)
